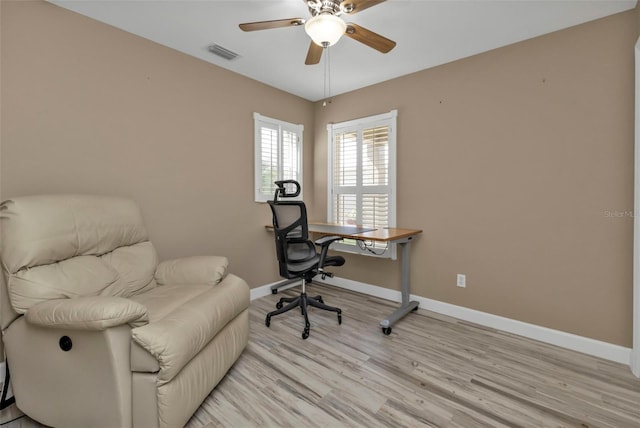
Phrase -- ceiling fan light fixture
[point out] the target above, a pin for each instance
(325, 29)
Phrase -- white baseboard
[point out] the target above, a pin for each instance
(585, 345)
(263, 290)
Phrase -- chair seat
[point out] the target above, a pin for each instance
(334, 261)
(308, 264)
(304, 266)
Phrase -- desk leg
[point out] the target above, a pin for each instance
(406, 305)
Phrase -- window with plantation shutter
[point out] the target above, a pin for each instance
(362, 177)
(278, 154)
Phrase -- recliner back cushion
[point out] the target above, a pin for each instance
(65, 246)
(136, 266)
(39, 230)
(75, 277)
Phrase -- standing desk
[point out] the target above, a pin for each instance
(393, 235)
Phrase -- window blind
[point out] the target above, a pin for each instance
(269, 164)
(362, 174)
(278, 147)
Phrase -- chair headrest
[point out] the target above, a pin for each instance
(286, 189)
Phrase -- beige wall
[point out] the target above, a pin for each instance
(513, 162)
(89, 108)
(509, 160)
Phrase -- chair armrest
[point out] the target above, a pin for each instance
(87, 313)
(324, 243)
(198, 270)
(328, 240)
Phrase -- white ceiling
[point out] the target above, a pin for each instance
(428, 33)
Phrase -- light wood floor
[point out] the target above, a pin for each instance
(431, 371)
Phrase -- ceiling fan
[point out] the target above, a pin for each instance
(325, 27)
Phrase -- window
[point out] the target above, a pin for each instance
(278, 154)
(362, 177)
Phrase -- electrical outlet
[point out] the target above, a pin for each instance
(461, 280)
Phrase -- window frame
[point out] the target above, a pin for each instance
(359, 125)
(260, 121)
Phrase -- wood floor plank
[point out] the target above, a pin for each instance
(432, 371)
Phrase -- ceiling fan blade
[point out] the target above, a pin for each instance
(267, 25)
(314, 54)
(369, 38)
(355, 6)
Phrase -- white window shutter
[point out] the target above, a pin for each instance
(278, 154)
(362, 177)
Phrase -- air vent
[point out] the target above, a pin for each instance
(224, 53)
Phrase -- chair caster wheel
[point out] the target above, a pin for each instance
(414, 309)
(267, 321)
(305, 333)
(320, 300)
(279, 305)
(386, 330)
(274, 291)
(339, 318)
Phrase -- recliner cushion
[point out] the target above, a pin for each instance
(120, 273)
(78, 276)
(39, 230)
(164, 299)
(136, 265)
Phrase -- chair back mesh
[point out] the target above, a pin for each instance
(290, 216)
(291, 234)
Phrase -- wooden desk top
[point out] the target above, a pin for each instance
(387, 234)
(382, 234)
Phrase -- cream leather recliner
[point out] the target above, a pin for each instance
(97, 333)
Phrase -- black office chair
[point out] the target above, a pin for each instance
(297, 255)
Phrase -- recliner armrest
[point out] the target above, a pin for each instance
(175, 339)
(87, 313)
(197, 270)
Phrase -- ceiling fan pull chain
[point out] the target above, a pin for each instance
(327, 77)
(324, 75)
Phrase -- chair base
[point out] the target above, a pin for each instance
(302, 301)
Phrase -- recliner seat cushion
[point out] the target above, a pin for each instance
(164, 299)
